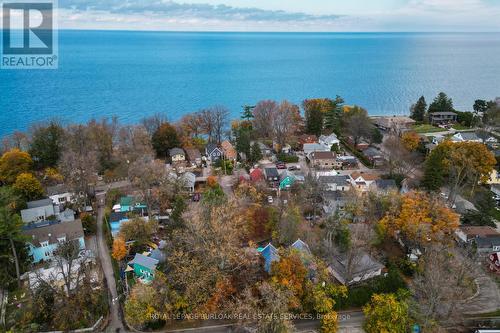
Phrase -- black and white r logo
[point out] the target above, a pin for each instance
(36, 35)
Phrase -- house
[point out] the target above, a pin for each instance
(307, 138)
(350, 271)
(144, 267)
(194, 156)
(272, 176)
(385, 185)
(213, 152)
(313, 147)
(128, 204)
(324, 159)
(189, 181)
(177, 155)
(437, 139)
(39, 210)
(286, 149)
(301, 246)
(264, 149)
(60, 195)
(270, 255)
(395, 123)
(115, 221)
(44, 237)
(348, 162)
(228, 150)
(362, 181)
(466, 137)
(335, 183)
(374, 156)
(256, 175)
(287, 179)
(329, 140)
(333, 201)
(440, 118)
(485, 239)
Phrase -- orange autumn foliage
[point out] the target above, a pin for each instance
(289, 272)
(410, 140)
(119, 249)
(212, 181)
(421, 218)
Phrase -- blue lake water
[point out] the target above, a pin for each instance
(135, 74)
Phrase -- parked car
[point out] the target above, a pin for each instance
(280, 165)
(270, 199)
(196, 197)
(294, 167)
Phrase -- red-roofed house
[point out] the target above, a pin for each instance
(256, 175)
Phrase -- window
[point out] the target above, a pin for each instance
(62, 199)
(43, 244)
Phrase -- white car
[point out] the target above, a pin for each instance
(270, 199)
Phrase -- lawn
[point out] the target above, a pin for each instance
(460, 127)
(426, 128)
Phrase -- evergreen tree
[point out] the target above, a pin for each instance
(243, 141)
(256, 153)
(442, 103)
(418, 109)
(434, 170)
(314, 121)
(247, 113)
(332, 114)
(46, 145)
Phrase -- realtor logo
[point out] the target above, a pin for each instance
(29, 38)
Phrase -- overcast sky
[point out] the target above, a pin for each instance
(282, 15)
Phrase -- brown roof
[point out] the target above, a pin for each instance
(323, 155)
(479, 231)
(192, 153)
(228, 149)
(51, 232)
(366, 176)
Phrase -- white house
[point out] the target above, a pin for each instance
(466, 137)
(313, 147)
(60, 195)
(362, 181)
(177, 155)
(329, 140)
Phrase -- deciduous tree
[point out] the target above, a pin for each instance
(28, 186)
(164, 139)
(119, 249)
(13, 163)
(47, 144)
(386, 314)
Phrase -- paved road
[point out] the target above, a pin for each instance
(107, 267)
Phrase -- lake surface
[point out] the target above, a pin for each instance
(135, 74)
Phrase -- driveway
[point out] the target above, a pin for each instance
(107, 267)
(486, 299)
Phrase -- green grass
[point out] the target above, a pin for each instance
(460, 127)
(426, 128)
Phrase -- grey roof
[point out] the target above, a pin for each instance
(159, 255)
(176, 151)
(210, 147)
(189, 178)
(50, 231)
(57, 189)
(385, 184)
(372, 152)
(487, 242)
(301, 246)
(144, 261)
(339, 179)
(365, 263)
(444, 113)
(469, 136)
(39, 203)
(271, 172)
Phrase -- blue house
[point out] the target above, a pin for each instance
(270, 254)
(44, 237)
(115, 221)
(144, 267)
(213, 152)
(128, 204)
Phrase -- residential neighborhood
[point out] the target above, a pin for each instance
(318, 210)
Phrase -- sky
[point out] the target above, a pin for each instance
(281, 15)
